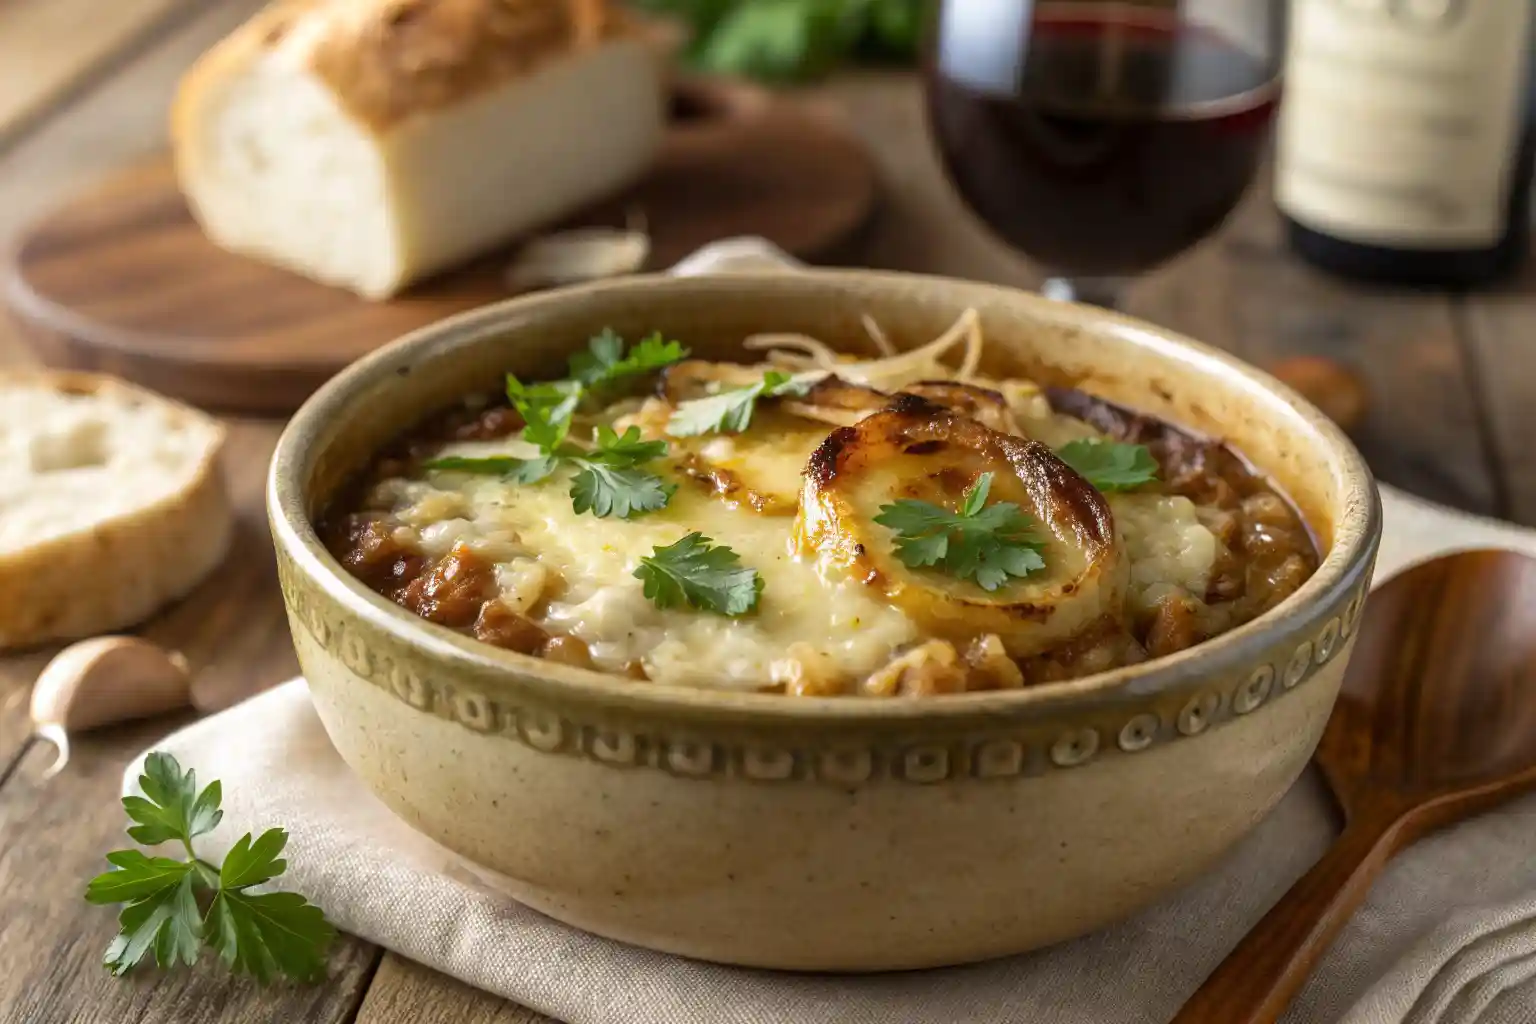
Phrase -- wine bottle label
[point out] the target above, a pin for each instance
(1402, 118)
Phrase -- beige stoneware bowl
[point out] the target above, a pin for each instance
(824, 834)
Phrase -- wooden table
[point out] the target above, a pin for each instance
(84, 86)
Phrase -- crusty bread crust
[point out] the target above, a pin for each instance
(389, 60)
(119, 571)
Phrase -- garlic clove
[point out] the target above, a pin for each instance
(102, 681)
(583, 254)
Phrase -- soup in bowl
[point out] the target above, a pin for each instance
(830, 620)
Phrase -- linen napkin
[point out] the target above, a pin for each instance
(1447, 937)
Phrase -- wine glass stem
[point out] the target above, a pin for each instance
(1095, 291)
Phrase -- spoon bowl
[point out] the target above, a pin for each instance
(1440, 696)
(1436, 722)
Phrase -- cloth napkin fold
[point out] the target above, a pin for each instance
(1447, 937)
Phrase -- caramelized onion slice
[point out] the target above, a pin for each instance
(919, 450)
(761, 468)
(987, 407)
(842, 403)
(837, 401)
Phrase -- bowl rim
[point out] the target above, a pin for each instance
(1356, 534)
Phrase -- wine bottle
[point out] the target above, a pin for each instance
(1405, 141)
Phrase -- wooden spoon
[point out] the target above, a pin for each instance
(1436, 723)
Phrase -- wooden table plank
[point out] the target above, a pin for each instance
(403, 990)
(1241, 290)
(50, 48)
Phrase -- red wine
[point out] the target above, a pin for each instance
(1097, 142)
(1406, 147)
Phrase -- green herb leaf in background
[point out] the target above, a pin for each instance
(794, 40)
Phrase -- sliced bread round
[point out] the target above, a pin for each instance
(111, 504)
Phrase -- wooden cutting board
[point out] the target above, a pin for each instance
(122, 281)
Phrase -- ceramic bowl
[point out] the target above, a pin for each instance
(837, 833)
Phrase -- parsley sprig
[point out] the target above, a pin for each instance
(174, 908)
(1109, 465)
(730, 412)
(605, 362)
(697, 573)
(984, 543)
(609, 480)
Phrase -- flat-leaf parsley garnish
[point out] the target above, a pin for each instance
(609, 482)
(697, 573)
(1109, 465)
(609, 479)
(259, 933)
(984, 543)
(730, 412)
(605, 361)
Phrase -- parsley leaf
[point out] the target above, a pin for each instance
(166, 921)
(988, 544)
(730, 412)
(546, 410)
(605, 360)
(263, 933)
(137, 876)
(608, 480)
(1109, 465)
(174, 807)
(626, 449)
(607, 490)
(696, 573)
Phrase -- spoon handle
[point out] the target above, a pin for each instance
(1256, 982)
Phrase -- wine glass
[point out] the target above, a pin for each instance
(1102, 137)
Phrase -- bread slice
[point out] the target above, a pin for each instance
(371, 143)
(111, 504)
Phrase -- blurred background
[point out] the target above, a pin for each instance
(1433, 352)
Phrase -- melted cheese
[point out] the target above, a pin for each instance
(816, 629)
(602, 603)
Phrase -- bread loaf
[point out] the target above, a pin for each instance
(111, 505)
(371, 143)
